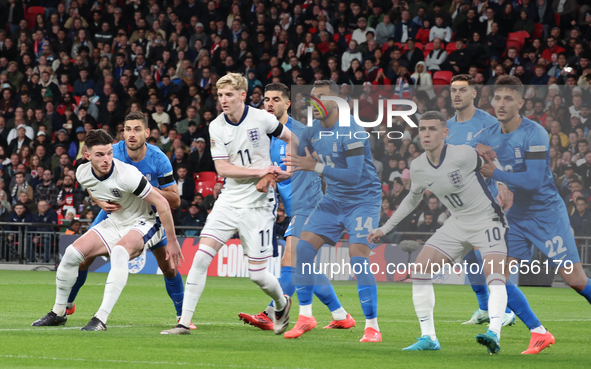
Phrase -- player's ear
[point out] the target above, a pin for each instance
(87, 154)
(287, 104)
(521, 102)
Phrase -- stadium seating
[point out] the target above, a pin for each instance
(520, 37)
(513, 43)
(423, 35)
(205, 188)
(206, 177)
(442, 77)
(450, 47)
(427, 49)
(31, 13)
(539, 30)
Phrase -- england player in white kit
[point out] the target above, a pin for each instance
(240, 149)
(121, 236)
(477, 222)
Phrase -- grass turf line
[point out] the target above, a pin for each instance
(144, 309)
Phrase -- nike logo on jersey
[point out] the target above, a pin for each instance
(263, 251)
(495, 147)
(496, 244)
(226, 144)
(315, 139)
(429, 185)
(299, 288)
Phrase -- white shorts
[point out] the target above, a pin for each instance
(455, 239)
(111, 232)
(254, 226)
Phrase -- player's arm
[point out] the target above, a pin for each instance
(164, 212)
(410, 202)
(106, 206)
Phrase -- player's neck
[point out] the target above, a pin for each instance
(284, 118)
(511, 125)
(237, 114)
(465, 114)
(139, 154)
(435, 155)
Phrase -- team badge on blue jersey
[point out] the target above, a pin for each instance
(253, 135)
(115, 192)
(455, 177)
(335, 147)
(149, 177)
(517, 153)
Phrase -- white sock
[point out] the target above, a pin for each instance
(540, 330)
(339, 314)
(196, 282)
(306, 310)
(423, 298)
(268, 283)
(372, 323)
(65, 278)
(497, 301)
(116, 281)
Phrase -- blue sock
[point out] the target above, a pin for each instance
(325, 292)
(82, 274)
(285, 282)
(517, 302)
(586, 292)
(176, 291)
(366, 286)
(304, 275)
(477, 281)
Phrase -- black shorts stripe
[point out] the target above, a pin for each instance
(165, 180)
(535, 155)
(278, 130)
(143, 183)
(354, 152)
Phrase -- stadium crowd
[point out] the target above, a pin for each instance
(67, 67)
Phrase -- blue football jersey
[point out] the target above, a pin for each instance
(155, 166)
(331, 148)
(529, 139)
(307, 186)
(461, 133)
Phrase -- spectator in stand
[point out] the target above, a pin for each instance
(584, 170)
(433, 207)
(581, 219)
(69, 197)
(428, 224)
(200, 159)
(555, 129)
(436, 57)
(20, 185)
(186, 186)
(194, 218)
(45, 214)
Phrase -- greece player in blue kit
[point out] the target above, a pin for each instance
(156, 167)
(538, 216)
(306, 187)
(463, 126)
(352, 202)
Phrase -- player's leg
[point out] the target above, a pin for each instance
(519, 247)
(491, 242)
(221, 224)
(83, 269)
(128, 247)
(423, 295)
(82, 275)
(478, 283)
(89, 245)
(256, 232)
(575, 276)
(172, 278)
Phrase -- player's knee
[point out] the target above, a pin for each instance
(203, 258)
(258, 273)
(72, 257)
(119, 257)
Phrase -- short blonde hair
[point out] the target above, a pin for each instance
(234, 80)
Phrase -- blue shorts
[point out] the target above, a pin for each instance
(551, 234)
(296, 225)
(330, 218)
(102, 215)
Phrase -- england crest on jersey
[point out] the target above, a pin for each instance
(115, 192)
(253, 135)
(455, 177)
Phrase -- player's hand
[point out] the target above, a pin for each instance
(174, 253)
(505, 197)
(486, 152)
(269, 170)
(108, 206)
(487, 169)
(265, 182)
(375, 235)
(282, 176)
(300, 162)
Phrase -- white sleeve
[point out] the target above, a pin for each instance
(271, 124)
(218, 149)
(410, 202)
(135, 182)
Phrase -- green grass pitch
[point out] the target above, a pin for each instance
(144, 309)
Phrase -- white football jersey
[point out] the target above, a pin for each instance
(125, 185)
(457, 183)
(245, 145)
